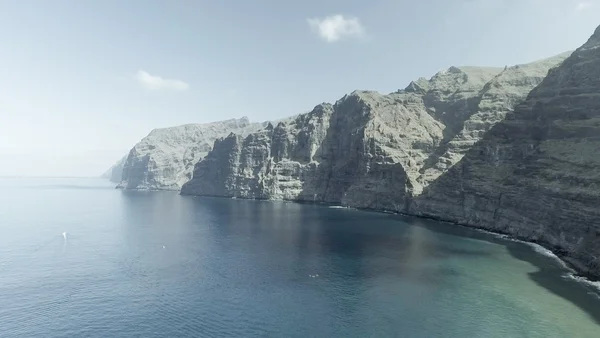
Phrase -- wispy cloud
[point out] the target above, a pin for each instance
(154, 82)
(583, 5)
(336, 27)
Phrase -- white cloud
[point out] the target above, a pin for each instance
(154, 82)
(581, 6)
(336, 27)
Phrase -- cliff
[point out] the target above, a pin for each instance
(271, 163)
(536, 175)
(477, 146)
(115, 172)
(164, 159)
(369, 150)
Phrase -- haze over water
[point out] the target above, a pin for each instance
(79, 258)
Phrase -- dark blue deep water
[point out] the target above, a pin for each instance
(156, 264)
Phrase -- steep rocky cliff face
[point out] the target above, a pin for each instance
(273, 163)
(536, 175)
(114, 173)
(497, 97)
(469, 146)
(164, 159)
(369, 150)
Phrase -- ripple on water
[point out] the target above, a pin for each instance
(163, 265)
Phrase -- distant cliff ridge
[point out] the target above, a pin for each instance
(164, 159)
(115, 172)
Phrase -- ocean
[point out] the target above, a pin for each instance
(79, 258)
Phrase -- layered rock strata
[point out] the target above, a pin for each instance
(164, 159)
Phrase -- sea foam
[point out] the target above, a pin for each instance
(583, 280)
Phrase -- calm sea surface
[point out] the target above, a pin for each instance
(81, 259)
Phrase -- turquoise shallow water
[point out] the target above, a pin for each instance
(156, 264)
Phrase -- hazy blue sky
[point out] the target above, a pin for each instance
(82, 81)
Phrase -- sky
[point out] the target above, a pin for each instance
(82, 81)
